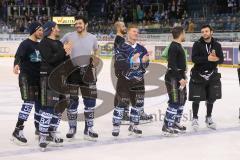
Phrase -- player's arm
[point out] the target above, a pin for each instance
(16, 65)
(67, 44)
(21, 51)
(96, 53)
(220, 55)
(197, 57)
(145, 59)
(172, 62)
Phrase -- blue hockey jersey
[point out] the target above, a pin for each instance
(124, 63)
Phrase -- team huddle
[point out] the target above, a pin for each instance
(36, 61)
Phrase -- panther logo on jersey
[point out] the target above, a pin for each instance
(35, 56)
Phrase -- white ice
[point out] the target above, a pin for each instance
(222, 144)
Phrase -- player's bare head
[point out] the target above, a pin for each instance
(120, 27)
(81, 24)
(207, 32)
(36, 30)
(178, 33)
(133, 32)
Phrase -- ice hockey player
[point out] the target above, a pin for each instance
(175, 81)
(84, 57)
(53, 53)
(27, 62)
(131, 60)
(119, 40)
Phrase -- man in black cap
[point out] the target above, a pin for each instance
(53, 53)
(27, 65)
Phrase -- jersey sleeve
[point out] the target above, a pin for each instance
(21, 52)
(146, 64)
(172, 62)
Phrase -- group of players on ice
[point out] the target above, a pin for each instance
(36, 61)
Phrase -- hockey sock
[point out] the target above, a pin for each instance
(72, 113)
(170, 116)
(179, 114)
(89, 112)
(24, 113)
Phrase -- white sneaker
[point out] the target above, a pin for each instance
(195, 124)
(210, 124)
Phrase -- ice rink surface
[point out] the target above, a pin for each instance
(222, 144)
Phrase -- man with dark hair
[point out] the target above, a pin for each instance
(27, 62)
(131, 60)
(119, 40)
(83, 18)
(205, 84)
(53, 53)
(175, 81)
(84, 57)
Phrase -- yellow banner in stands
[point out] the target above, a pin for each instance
(64, 20)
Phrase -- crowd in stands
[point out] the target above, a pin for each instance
(223, 15)
(144, 11)
(160, 15)
(16, 15)
(69, 7)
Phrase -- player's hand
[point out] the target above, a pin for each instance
(95, 60)
(145, 58)
(16, 69)
(68, 47)
(135, 58)
(213, 53)
(213, 58)
(183, 82)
